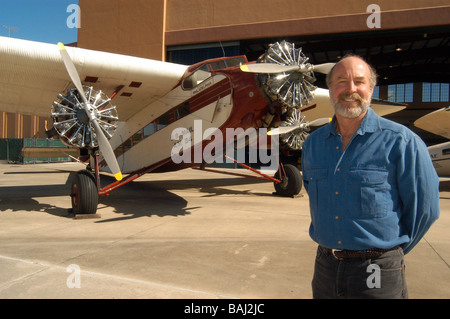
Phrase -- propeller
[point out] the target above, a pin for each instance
(271, 68)
(286, 129)
(103, 143)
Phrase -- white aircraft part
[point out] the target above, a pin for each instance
(158, 146)
(436, 122)
(440, 156)
(325, 109)
(33, 73)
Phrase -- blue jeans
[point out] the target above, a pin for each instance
(382, 277)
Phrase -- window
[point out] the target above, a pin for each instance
(218, 65)
(401, 93)
(137, 137)
(163, 121)
(191, 54)
(444, 92)
(435, 92)
(182, 111)
(235, 62)
(197, 77)
(149, 129)
(376, 92)
(227, 63)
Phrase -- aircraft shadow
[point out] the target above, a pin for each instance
(21, 198)
(154, 198)
(134, 200)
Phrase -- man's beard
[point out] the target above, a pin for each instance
(350, 112)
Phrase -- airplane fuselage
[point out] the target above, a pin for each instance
(213, 91)
(440, 156)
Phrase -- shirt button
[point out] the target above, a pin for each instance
(337, 147)
(336, 193)
(338, 169)
(339, 242)
(336, 217)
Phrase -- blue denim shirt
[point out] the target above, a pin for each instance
(382, 191)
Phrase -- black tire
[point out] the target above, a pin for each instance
(291, 183)
(84, 193)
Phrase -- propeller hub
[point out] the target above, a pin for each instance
(82, 116)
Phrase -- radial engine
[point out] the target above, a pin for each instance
(289, 92)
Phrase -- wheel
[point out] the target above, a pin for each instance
(84, 193)
(291, 182)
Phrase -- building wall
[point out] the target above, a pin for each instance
(198, 21)
(23, 126)
(146, 27)
(195, 14)
(131, 27)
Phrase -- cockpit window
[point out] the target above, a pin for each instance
(197, 77)
(204, 72)
(227, 63)
(218, 65)
(237, 61)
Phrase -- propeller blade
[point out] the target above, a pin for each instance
(103, 143)
(268, 68)
(271, 68)
(324, 68)
(282, 130)
(321, 121)
(286, 129)
(107, 151)
(73, 73)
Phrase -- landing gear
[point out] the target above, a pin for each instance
(84, 193)
(287, 180)
(291, 181)
(86, 187)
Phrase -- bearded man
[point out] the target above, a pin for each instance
(372, 188)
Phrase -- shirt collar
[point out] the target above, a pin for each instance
(369, 124)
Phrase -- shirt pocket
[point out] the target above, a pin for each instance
(372, 192)
(315, 180)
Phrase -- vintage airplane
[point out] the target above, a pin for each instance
(155, 98)
(438, 122)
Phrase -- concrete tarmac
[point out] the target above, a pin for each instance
(186, 234)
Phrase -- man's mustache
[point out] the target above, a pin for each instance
(352, 96)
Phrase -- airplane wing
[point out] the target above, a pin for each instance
(437, 122)
(321, 107)
(33, 73)
(383, 107)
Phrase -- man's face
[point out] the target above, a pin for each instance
(350, 91)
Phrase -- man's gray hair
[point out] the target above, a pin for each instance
(373, 72)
